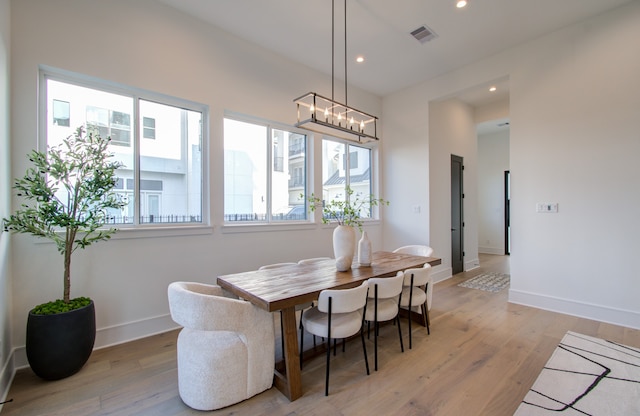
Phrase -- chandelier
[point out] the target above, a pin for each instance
(326, 115)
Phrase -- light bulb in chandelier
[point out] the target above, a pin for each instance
(312, 108)
(351, 121)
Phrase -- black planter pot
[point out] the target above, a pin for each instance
(59, 345)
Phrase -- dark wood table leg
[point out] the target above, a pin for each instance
(289, 382)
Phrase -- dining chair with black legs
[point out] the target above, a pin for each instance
(383, 306)
(414, 294)
(339, 314)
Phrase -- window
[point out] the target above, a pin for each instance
(148, 128)
(346, 165)
(61, 113)
(110, 123)
(161, 179)
(264, 172)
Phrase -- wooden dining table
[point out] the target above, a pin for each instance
(283, 288)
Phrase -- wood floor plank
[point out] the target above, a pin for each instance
(481, 358)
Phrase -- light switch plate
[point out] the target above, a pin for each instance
(547, 207)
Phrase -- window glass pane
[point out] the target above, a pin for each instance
(288, 176)
(91, 108)
(171, 164)
(360, 176)
(245, 171)
(334, 175)
(344, 165)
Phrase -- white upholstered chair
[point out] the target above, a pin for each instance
(339, 315)
(313, 260)
(416, 285)
(226, 350)
(415, 249)
(382, 305)
(275, 265)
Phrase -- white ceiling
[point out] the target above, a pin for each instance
(380, 31)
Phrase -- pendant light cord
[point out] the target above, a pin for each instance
(345, 53)
(333, 43)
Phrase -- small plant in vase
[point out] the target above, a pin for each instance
(347, 213)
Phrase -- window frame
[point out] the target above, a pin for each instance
(136, 94)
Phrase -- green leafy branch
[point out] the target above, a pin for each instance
(347, 211)
(80, 167)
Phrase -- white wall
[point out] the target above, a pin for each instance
(151, 46)
(493, 161)
(574, 105)
(6, 364)
(452, 131)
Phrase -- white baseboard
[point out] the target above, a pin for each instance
(439, 274)
(114, 335)
(626, 318)
(491, 250)
(6, 377)
(471, 264)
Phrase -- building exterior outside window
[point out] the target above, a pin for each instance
(159, 144)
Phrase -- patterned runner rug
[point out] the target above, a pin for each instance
(491, 282)
(586, 376)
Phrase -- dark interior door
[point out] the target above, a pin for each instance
(457, 223)
(507, 212)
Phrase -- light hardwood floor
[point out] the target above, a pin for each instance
(482, 356)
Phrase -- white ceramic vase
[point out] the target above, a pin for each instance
(344, 246)
(364, 250)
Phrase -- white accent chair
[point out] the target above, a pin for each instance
(339, 315)
(417, 284)
(382, 305)
(226, 351)
(415, 249)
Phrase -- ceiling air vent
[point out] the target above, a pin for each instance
(423, 34)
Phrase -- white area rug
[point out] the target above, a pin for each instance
(491, 282)
(586, 376)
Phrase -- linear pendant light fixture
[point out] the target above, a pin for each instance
(328, 116)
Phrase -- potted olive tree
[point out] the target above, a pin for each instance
(67, 193)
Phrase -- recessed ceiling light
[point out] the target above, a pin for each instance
(461, 3)
(492, 88)
(360, 59)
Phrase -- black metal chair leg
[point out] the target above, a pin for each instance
(410, 307)
(326, 381)
(364, 348)
(399, 332)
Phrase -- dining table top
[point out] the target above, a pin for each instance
(287, 286)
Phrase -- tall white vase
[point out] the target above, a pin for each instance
(364, 250)
(344, 246)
